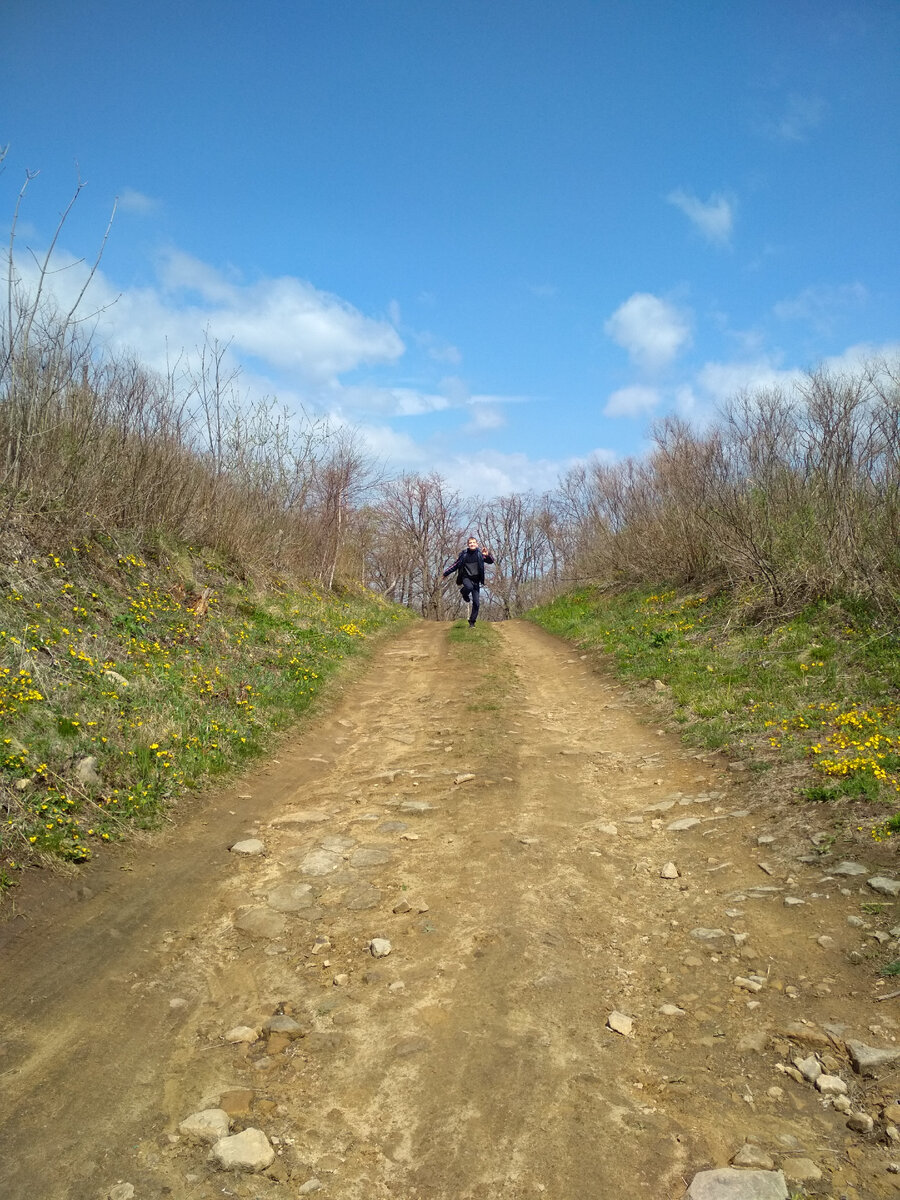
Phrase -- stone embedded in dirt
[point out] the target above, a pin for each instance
(337, 843)
(402, 906)
(825, 941)
(671, 1010)
(261, 923)
(307, 816)
(682, 823)
(810, 1068)
(247, 1151)
(751, 1156)
(392, 827)
(620, 1023)
(728, 1183)
(700, 934)
(464, 778)
(311, 1185)
(416, 806)
(860, 1122)
(792, 901)
(86, 772)
(748, 985)
(669, 871)
(884, 886)
(249, 847)
(341, 979)
(807, 1035)
(841, 1103)
(369, 856)
(831, 1085)
(848, 868)
(121, 1191)
(282, 1023)
(242, 1033)
(800, 1170)
(291, 897)
(765, 839)
(660, 806)
(608, 828)
(320, 862)
(867, 1059)
(380, 947)
(361, 897)
(208, 1125)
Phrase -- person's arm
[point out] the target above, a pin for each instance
(450, 570)
(487, 556)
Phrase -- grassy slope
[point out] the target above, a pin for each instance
(164, 670)
(819, 693)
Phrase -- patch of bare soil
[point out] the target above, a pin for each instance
(523, 907)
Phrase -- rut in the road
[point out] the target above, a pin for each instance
(523, 907)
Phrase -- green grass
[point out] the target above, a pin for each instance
(166, 683)
(821, 688)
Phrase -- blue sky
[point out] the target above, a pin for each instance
(496, 236)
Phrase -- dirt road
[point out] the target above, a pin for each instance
(523, 907)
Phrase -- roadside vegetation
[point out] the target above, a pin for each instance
(130, 679)
(814, 693)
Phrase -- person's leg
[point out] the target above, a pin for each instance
(476, 604)
(465, 590)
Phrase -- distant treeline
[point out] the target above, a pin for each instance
(789, 496)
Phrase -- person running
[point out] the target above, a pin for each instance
(469, 568)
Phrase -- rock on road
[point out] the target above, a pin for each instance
(505, 944)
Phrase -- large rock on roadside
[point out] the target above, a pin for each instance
(209, 1125)
(884, 886)
(261, 923)
(249, 847)
(86, 772)
(867, 1059)
(729, 1184)
(247, 1151)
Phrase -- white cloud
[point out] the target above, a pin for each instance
(851, 359)
(488, 474)
(802, 114)
(821, 306)
(132, 201)
(651, 330)
(714, 218)
(398, 451)
(632, 402)
(721, 381)
(386, 401)
(484, 417)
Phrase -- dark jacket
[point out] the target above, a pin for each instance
(460, 566)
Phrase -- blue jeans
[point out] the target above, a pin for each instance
(470, 589)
